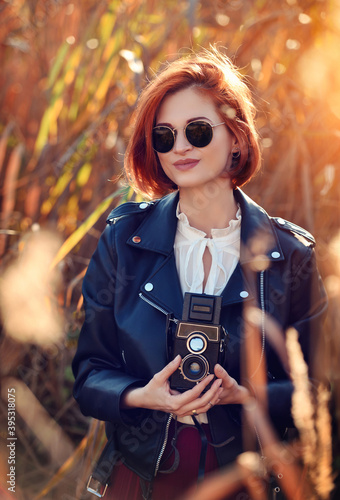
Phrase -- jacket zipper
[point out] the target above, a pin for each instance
(171, 415)
(148, 301)
(113, 220)
(263, 315)
(164, 444)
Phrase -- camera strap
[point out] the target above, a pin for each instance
(204, 449)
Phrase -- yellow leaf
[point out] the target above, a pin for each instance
(58, 63)
(84, 174)
(106, 81)
(82, 230)
(43, 131)
(107, 23)
(48, 123)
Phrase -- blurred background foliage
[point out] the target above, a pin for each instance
(70, 76)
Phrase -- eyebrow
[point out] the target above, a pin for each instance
(188, 121)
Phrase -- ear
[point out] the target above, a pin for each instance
(235, 152)
(234, 143)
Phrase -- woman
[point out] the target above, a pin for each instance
(194, 144)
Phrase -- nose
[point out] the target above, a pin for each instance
(181, 143)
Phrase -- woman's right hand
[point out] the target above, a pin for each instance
(157, 394)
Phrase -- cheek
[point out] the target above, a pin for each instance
(221, 158)
(164, 163)
(160, 160)
(224, 148)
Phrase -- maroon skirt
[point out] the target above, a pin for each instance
(125, 485)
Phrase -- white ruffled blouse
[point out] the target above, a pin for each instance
(189, 246)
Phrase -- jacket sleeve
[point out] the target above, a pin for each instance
(100, 378)
(307, 304)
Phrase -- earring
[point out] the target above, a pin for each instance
(236, 153)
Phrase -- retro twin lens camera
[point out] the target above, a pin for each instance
(198, 338)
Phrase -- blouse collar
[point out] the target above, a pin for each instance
(193, 233)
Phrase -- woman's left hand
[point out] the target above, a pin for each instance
(232, 393)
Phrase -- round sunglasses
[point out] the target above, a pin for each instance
(199, 133)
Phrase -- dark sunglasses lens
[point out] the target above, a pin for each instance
(199, 134)
(162, 139)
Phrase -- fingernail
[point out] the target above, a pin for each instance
(176, 358)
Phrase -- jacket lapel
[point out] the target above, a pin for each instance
(158, 229)
(237, 289)
(163, 288)
(257, 234)
(157, 233)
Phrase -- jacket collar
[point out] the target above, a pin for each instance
(157, 233)
(258, 236)
(158, 229)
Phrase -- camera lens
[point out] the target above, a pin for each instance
(194, 368)
(196, 343)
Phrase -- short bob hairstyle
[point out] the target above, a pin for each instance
(213, 74)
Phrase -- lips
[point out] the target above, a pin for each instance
(186, 164)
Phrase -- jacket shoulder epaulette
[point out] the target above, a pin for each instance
(128, 208)
(305, 236)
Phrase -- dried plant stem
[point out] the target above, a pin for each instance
(312, 420)
(324, 476)
(302, 405)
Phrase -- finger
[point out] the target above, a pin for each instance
(201, 403)
(197, 390)
(202, 409)
(173, 392)
(210, 395)
(169, 369)
(215, 400)
(185, 399)
(211, 405)
(207, 407)
(220, 372)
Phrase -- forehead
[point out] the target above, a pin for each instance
(184, 105)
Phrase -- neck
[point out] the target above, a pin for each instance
(208, 207)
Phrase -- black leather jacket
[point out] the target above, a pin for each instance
(132, 284)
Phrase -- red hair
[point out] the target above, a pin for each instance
(214, 75)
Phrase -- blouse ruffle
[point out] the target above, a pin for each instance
(189, 246)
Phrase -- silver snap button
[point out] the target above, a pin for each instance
(276, 255)
(148, 287)
(281, 221)
(244, 294)
(143, 205)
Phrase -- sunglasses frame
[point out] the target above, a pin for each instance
(174, 135)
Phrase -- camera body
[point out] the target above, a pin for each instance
(198, 338)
